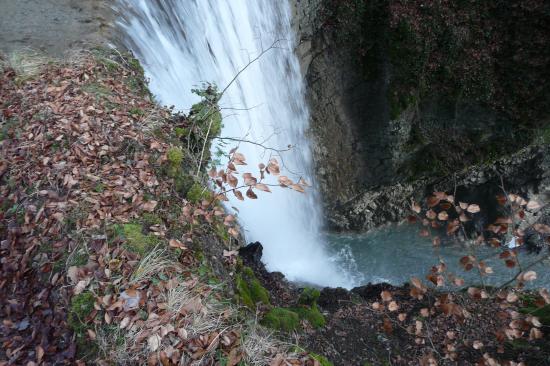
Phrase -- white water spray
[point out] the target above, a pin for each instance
(182, 43)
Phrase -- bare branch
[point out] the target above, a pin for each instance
(254, 143)
(273, 45)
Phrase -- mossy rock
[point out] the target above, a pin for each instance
(249, 289)
(281, 319)
(174, 168)
(308, 309)
(136, 240)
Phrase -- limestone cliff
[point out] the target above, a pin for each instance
(404, 94)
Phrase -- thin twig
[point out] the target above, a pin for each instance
(246, 66)
(254, 143)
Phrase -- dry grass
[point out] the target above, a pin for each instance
(260, 345)
(26, 62)
(116, 345)
(153, 120)
(153, 263)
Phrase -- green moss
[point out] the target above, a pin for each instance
(149, 219)
(206, 115)
(308, 309)
(322, 359)
(281, 319)
(399, 102)
(97, 89)
(175, 156)
(99, 187)
(197, 193)
(249, 289)
(311, 314)
(81, 306)
(136, 240)
(135, 65)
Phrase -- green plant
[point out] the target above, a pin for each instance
(180, 132)
(198, 193)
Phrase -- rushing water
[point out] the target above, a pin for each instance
(396, 253)
(184, 43)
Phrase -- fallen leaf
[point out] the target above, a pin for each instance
(473, 208)
(153, 342)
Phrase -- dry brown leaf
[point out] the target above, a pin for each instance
(153, 342)
(473, 208)
(386, 296)
(262, 187)
(393, 306)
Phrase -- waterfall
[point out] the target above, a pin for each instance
(183, 43)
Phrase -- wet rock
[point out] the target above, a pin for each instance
(526, 172)
(331, 298)
(252, 255)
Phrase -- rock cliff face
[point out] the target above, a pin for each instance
(526, 172)
(392, 118)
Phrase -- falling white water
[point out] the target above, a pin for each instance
(183, 43)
